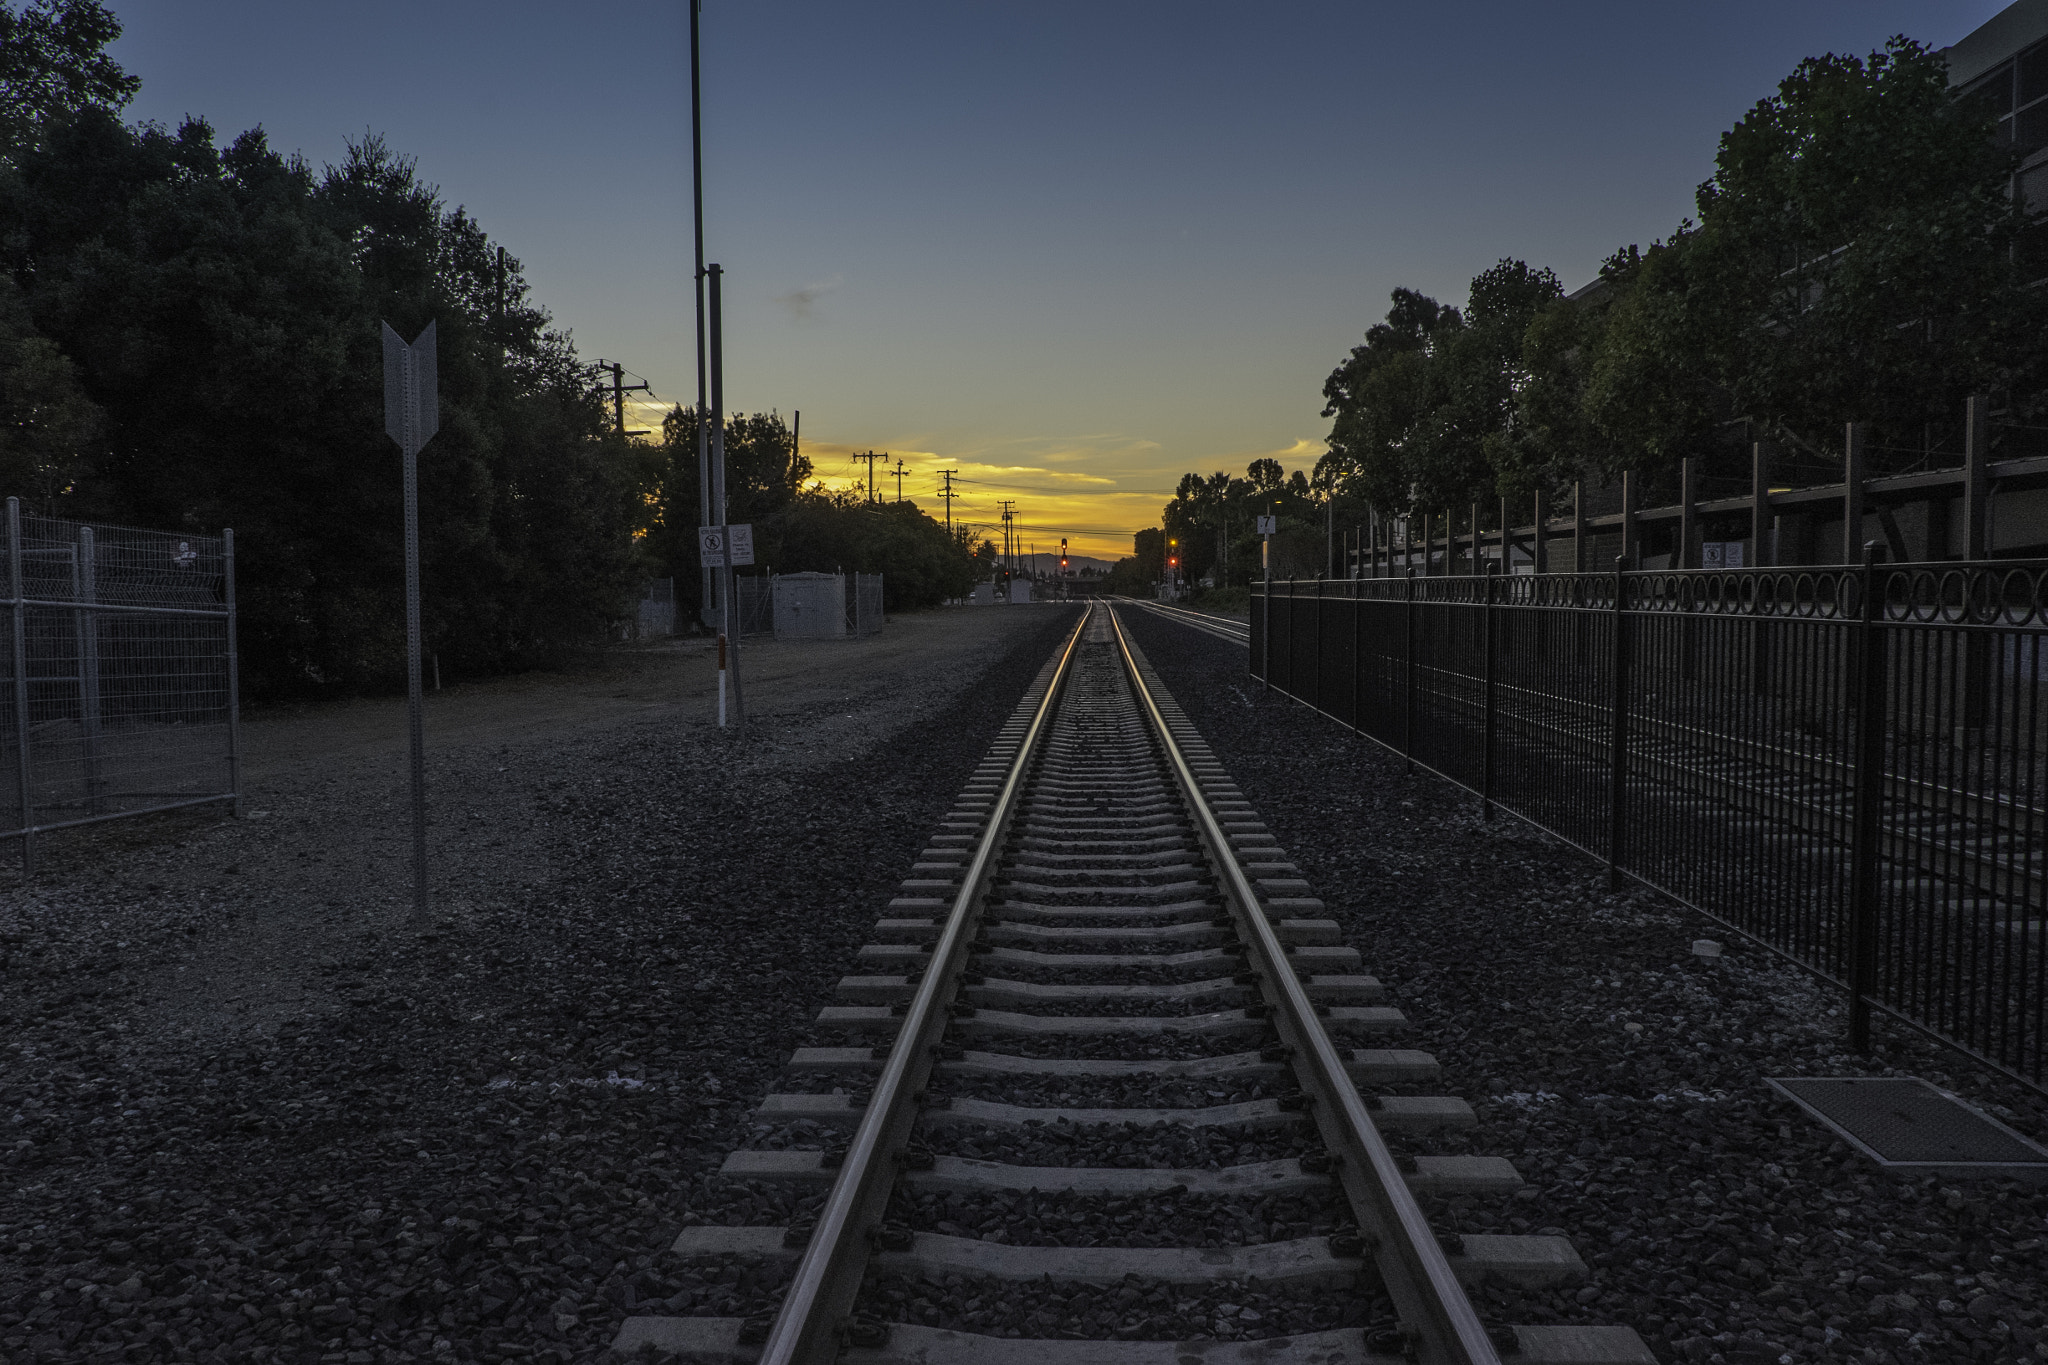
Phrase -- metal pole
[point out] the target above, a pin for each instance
(1868, 796)
(731, 625)
(415, 703)
(1688, 557)
(1629, 548)
(1578, 528)
(697, 183)
(234, 672)
(1539, 547)
(1688, 515)
(21, 754)
(86, 623)
(1975, 683)
(1492, 625)
(1617, 790)
(1266, 631)
(1408, 682)
(1852, 491)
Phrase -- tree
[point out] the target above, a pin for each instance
(220, 307)
(764, 474)
(1854, 258)
(47, 424)
(53, 63)
(1425, 410)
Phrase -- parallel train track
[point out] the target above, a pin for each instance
(1955, 848)
(1103, 963)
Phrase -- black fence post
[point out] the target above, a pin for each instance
(1408, 680)
(1491, 612)
(1266, 636)
(1357, 646)
(1868, 801)
(1617, 790)
(1321, 705)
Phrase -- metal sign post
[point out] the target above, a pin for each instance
(725, 547)
(1267, 526)
(730, 626)
(412, 414)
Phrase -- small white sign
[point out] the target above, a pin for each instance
(1720, 554)
(1269, 526)
(711, 545)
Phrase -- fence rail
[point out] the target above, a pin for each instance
(120, 689)
(1844, 764)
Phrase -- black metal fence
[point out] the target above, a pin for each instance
(1845, 764)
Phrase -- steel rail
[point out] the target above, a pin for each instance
(1222, 627)
(2011, 877)
(828, 1276)
(1990, 873)
(1417, 1274)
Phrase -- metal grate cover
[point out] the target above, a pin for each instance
(1907, 1125)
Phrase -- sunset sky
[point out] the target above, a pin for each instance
(1070, 249)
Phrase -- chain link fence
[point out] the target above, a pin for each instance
(120, 691)
(657, 613)
(864, 604)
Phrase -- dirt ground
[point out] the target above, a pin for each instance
(254, 1113)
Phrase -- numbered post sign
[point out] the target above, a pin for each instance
(712, 544)
(1269, 526)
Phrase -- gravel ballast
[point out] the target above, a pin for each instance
(1625, 1078)
(253, 1115)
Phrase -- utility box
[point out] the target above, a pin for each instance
(1020, 590)
(810, 606)
(983, 594)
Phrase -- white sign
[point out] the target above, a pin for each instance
(1720, 554)
(711, 545)
(1269, 526)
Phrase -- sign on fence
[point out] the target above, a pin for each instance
(1720, 554)
(712, 540)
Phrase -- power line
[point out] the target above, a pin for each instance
(620, 388)
(871, 457)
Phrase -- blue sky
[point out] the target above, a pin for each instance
(1070, 249)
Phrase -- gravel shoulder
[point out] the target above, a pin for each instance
(251, 1114)
(1625, 1078)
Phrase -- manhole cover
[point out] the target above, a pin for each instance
(1908, 1125)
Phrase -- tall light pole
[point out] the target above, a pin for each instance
(697, 183)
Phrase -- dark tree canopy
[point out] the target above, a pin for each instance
(1857, 256)
(189, 339)
(53, 62)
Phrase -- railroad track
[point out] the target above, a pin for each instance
(1112, 1097)
(1222, 627)
(1952, 849)
(1938, 845)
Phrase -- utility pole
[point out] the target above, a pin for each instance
(697, 184)
(946, 492)
(1009, 551)
(620, 388)
(871, 456)
(898, 472)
